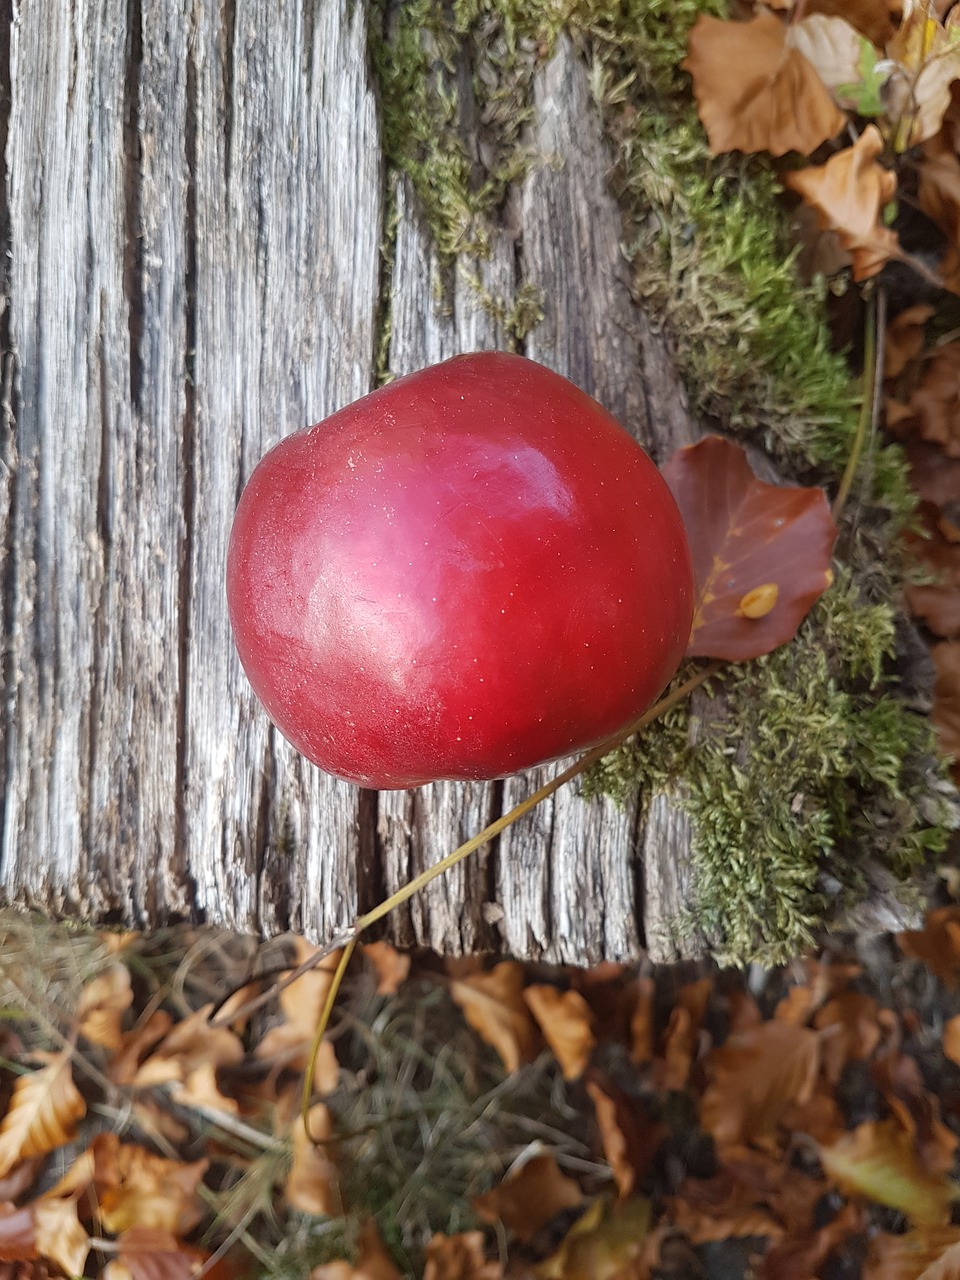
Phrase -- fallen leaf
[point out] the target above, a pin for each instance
(936, 479)
(878, 1160)
(103, 1002)
(60, 1235)
(938, 195)
(682, 1034)
(754, 1077)
(18, 1234)
(43, 1113)
(136, 1044)
(852, 1032)
(642, 1022)
(938, 602)
(754, 92)
(391, 966)
(926, 1253)
(529, 1197)
(744, 533)
(311, 1184)
(630, 1137)
(145, 1253)
(607, 1242)
(870, 17)
(904, 338)
(951, 1039)
(848, 194)
(926, 55)
(459, 1257)
(835, 51)
(188, 1058)
(302, 1004)
(751, 1189)
(898, 1077)
(800, 1257)
(137, 1188)
(937, 944)
(565, 1021)
(493, 1004)
(946, 720)
(935, 404)
(373, 1261)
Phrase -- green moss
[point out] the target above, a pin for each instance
(808, 772)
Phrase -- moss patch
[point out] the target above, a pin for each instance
(806, 775)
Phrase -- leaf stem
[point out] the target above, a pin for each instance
(874, 326)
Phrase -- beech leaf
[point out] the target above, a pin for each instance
(754, 92)
(311, 1184)
(103, 1002)
(529, 1197)
(745, 535)
(42, 1114)
(565, 1020)
(879, 1160)
(848, 195)
(459, 1257)
(494, 1006)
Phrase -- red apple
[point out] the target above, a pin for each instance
(472, 570)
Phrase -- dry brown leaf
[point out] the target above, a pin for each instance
(848, 194)
(311, 1184)
(373, 1261)
(704, 1228)
(935, 404)
(937, 603)
(630, 1138)
(904, 338)
(527, 1199)
(871, 18)
(927, 1253)
(459, 1258)
(756, 1075)
(136, 1044)
(188, 1058)
(851, 1031)
(937, 944)
(18, 1234)
(391, 966)
(799, 1257)
(682, 1034)
(137, 1188)
(936, 478)
(302, 1004)
(43, 1112)
(60, 1235)
(493, 1004)
(145, 1253)
(951, 1039)
(642, 1028)
(565, 1020)
(749, 1189)
(753, 92)
(103, 1002)
(946, 720)
(898, 1077)
(878, 1160)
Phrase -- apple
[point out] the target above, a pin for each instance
(470, 571)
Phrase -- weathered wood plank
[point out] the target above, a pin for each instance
(288, 220)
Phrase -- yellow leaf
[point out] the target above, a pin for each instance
(43, 1113)
(879, 1160)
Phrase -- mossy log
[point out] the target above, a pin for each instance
(195, 207)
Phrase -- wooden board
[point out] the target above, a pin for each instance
(194, 200)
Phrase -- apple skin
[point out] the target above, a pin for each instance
(470, 571)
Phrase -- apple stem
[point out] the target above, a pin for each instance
(362, 923)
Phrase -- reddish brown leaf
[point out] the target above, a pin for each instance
(935, 477)
(529, 1197)
(756, 1075)
(494, 1006)
(870, 17)
(42, 1114)
(946, 718)
(754, 92)
(927, 1253)
(681, 1037)
(898, 1077)
(848, 194)
(937, 603)
(642, 1022)
(565, 1021)
(851, 1031)
(937, 944)
(802, 1256)
(188, 1059)
(18, 1234)
(904, 339)
(630, 1138)
(744, 534)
